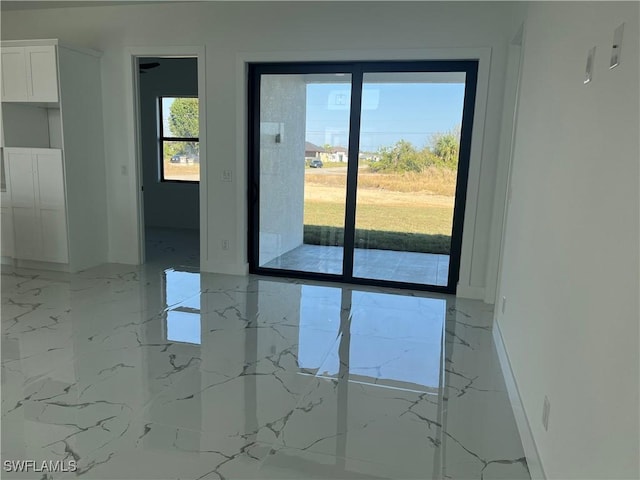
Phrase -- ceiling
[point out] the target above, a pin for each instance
(7, 5)
(29, 5)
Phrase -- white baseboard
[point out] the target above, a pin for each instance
(528, 443)
(225, 268)
(472, 293)
(37, 265)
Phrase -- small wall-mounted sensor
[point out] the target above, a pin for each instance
(588, 73)
(616, 48)
(546, 408)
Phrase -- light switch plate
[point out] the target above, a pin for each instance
(588, 74)
(616, 48)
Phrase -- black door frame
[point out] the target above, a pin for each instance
(357, 70)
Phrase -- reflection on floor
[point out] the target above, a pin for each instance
(411, 267)
(162, 372)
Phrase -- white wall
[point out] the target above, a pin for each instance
(283, 106)
(231, 32)
(166, 204)
(571, 257)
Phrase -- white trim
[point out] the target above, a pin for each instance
(49, 42)
(510, 143)
(85, 51)
(136, 181)
(470, 292)
(225, 268)
(482, 54)
(526, 436)
(29, 43)
(475, 167)
(40, 265)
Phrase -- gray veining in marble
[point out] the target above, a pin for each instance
(162, 372)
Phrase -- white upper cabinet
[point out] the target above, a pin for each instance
(14, 74)
(42, 74)
(29, 74)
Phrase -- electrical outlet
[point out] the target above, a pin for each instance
(546, 407)
(225, 244)
(227, 176)
(504, 304)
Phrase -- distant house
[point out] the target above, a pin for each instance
(312, 151)
(339, 154)
(333, 154)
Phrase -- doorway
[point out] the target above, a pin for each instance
(169, 139)
(358, 171)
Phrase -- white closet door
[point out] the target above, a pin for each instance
(42, 74)
(14, 75)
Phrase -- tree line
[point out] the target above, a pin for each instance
(441, 152)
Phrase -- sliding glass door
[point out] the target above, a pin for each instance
(358, 171)
(301, 187)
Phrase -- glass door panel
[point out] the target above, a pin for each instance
(304, 134)
(407, 171)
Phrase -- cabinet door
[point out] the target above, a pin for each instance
(7, 232)
(14, 75)
(42, 74)
(27, 234)
(21, 178)
(36, 179)
(49, 178)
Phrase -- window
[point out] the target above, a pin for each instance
(178, 138)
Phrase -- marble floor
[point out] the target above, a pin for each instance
(172, 246)
(410, 267)
(162, 372)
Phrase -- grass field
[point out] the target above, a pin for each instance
(181, 171)
(381, 240)
(433, 181)
(410, 211)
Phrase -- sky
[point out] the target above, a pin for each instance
(390, 112)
